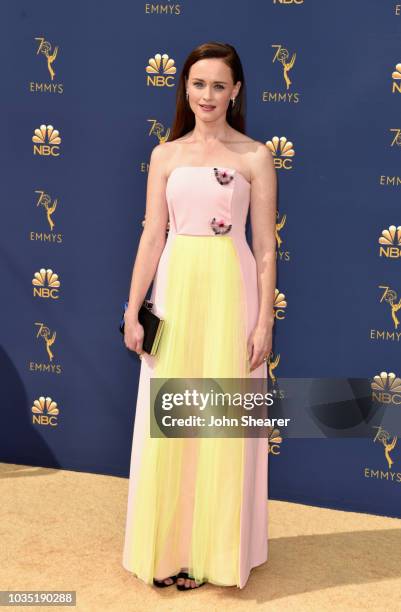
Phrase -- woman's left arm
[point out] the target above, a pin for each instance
(263, 210)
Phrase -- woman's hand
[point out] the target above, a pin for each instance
(259, 345)
(133, 333)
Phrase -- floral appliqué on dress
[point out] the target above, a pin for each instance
(223, 176)
(219, 226)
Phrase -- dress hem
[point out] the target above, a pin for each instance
(209, 580)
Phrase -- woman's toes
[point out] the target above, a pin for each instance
(166, 581)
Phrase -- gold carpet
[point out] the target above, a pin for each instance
(64, 530)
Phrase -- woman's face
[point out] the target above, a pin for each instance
(210, 88)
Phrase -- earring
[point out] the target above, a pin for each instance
(187, 95)
(233, 101)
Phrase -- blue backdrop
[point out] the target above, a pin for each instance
(323, 85)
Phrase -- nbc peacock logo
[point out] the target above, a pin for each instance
(46, 141)
(160, 71)
(280, 304)
(46, 284)
(386, 389)
(274, 440)
(390, 242)
(396, 83)
(45, 412)
(282, 151)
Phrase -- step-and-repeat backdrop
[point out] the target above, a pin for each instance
(88, 89)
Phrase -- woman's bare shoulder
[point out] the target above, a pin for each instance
(168, 154)
(247, 146)
(239, 137)
(162, 150)
(161, 156)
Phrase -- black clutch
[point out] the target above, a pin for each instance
(152, 326)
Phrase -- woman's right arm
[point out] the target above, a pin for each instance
(150, 247)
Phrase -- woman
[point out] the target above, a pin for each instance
(197, 507)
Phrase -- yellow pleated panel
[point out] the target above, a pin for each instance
(188, 500)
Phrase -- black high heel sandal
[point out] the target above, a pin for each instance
(182, 587)
(161, 584)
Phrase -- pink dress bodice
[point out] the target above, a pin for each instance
(195, 197)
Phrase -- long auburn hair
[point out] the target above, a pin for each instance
(184, 119)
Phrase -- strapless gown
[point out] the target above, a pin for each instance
(200, 503)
